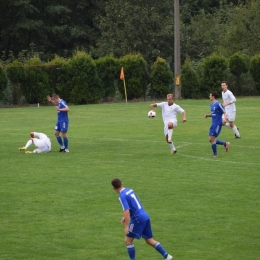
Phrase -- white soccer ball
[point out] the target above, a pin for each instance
(151, 114)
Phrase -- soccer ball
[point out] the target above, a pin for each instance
(151, 114)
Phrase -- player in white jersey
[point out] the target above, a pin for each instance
(169, 116)
(230, 107)
(42, 142)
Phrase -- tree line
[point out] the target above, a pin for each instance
(84, 80)
(43, 29)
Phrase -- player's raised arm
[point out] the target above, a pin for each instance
(153, 105)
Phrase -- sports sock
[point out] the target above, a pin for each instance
(160, 249)
(59, 139)
(131, 251)
(221, 142)
(28, 144)
(172, 146)
(170, 134)
(236, 131)
(214, 148)
(227, 125)
(66, 142)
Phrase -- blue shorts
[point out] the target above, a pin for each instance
(62, 127)
(138, 230)
(215, 130)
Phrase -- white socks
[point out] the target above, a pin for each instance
(28, 144)
(169, 134)
(172, 146)
(236, 131)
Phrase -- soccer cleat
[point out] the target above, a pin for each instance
(169, 257)
(62, 149)
(173, 152)
(21, 149)
(28, 151)
(227, 146)
(214, 155)
(66, 150)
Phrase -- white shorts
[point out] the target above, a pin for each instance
(231, 115)
(174, 122)
(42, 145)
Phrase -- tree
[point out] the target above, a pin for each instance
(214, 71)
(3, 82)
(162, 78)
(255, 70)
(189, 81)
(237, 66)
(108, 70)
(144, 27)
(135, 68)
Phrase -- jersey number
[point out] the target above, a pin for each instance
(134, 197)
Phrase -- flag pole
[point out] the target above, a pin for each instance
(122, 77)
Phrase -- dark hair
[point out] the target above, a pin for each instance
(223, 81)
(116, 183)
(214, 94)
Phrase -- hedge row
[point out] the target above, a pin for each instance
(83, 80)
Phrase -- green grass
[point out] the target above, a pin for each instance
(62, 206)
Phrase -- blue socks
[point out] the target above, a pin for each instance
(214, 148)
(160, 249)
(66, 142)
(59, 139)
(221, 142)
(131, 251)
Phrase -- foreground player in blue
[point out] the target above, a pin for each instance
(216, 113)
(136, 221)
(62, 123)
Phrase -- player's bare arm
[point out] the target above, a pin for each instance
(207, 115)
(51, 100)
(153, 105)
(184, 117)
(126, 220)
(65, 109)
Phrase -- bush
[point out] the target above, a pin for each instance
(84, 82)
(255, 70)
(162, 78)
(16, 74)
(135, 68)
(237, 66)
(108, 71)
(3, 82)
(214, 71)
(189, 81)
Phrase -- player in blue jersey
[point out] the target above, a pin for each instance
(62, 122)
(216, 113)
(136, 221)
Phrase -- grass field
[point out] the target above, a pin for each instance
(62, 206)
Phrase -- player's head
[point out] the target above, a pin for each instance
(55, 97)
(116, 183)
(170, 99)
(213, 95)
(224, 86)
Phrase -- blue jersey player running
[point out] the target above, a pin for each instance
(216, 112)
(136, 221)
(62, 123)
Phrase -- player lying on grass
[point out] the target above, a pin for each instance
(42, 143)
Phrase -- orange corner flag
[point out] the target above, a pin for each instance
(122, 75)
